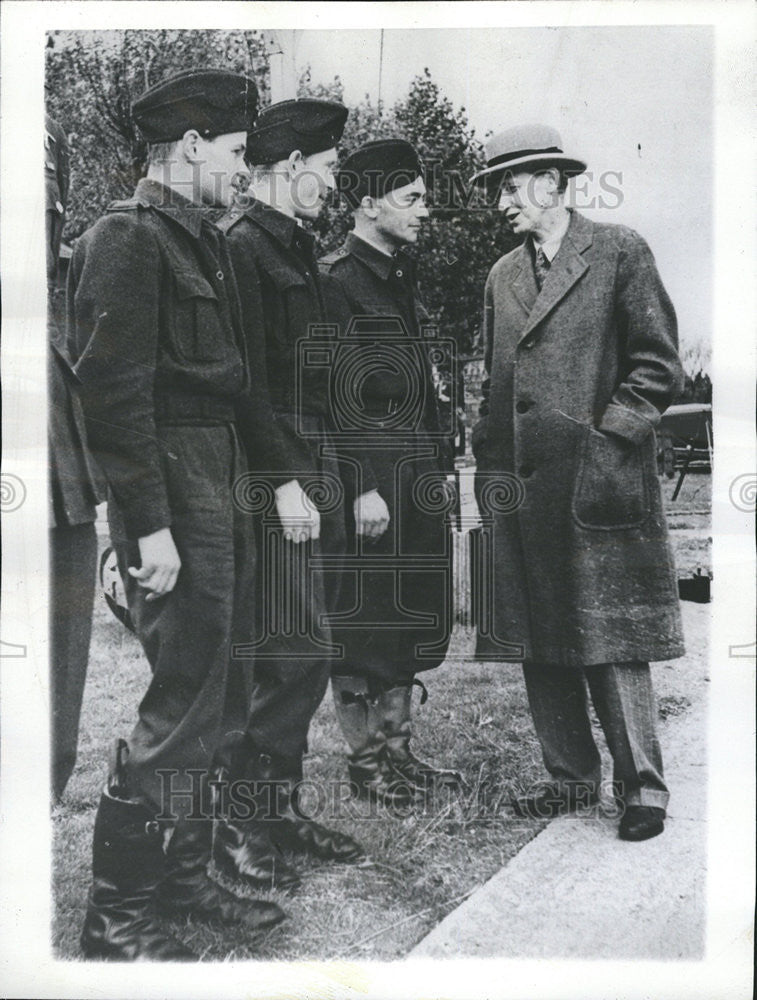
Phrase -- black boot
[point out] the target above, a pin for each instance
(370, 770)
(276, 778)
(394, 707)
(242, 847)
(245, 853)
(188, 890)
(127, 867)
(297, 832)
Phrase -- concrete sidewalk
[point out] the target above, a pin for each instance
(578, 891)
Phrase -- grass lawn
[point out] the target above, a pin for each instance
(422, 865)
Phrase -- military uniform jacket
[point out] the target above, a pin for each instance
(364, 283)
(153, 329)
(73, 477)
(580, 372)
(57, 178)
(281, 297)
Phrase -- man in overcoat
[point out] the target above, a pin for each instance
(395, 608)
(292, 151)
(581, 352)
(155, 336)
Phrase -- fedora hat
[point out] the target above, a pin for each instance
(526, 146)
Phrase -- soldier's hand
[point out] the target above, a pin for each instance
(300, 518)
(160, 564)
(371, 515)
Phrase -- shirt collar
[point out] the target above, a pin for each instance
(163, 198)
(380, 263)
(550, 247)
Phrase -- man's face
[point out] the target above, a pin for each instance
(401, 213)
(526, 197)
(221, 160)
(313, 182)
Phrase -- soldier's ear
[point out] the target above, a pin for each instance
(369, 206)
(295, 162)
(189, 145)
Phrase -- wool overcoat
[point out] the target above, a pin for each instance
(395, 611)
(579, 374)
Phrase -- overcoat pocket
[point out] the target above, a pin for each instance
(611, 489)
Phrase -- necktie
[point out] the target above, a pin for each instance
(541, 267)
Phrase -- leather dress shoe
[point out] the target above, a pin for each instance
(549, 801)
(641, 822)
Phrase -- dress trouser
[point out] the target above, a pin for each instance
(73, 555)
(195, 699)
(624, 701)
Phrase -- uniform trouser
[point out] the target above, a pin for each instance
(73, 558)
(624, 701)
(195, 701)
(294, 645)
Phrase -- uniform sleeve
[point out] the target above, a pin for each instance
(113, 324)
(340, 311)
(263, 438)
(651, 371)
(478, 437)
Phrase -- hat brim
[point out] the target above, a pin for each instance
(567, 163)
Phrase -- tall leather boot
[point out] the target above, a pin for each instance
(296, 832)
(187, 890)
(394, 707)
(369, 767)
(277, 826)
(242, 847)
(127, 867)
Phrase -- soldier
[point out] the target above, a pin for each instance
(397, 468)
(156, 338)
(292, 148)
(73, 497)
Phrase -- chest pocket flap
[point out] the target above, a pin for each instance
(190, 285)
(285, 277)
(198, 332)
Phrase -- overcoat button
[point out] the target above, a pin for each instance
(525, 471)
(219, 275)
(522, 406)
(398, 273)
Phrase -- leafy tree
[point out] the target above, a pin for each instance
(92, 78)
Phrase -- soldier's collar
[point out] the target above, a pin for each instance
(163, 198)
(380, 263)
(283, 228)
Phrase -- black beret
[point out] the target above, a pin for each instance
(308, 125)
(212, 101)
(377, 168)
